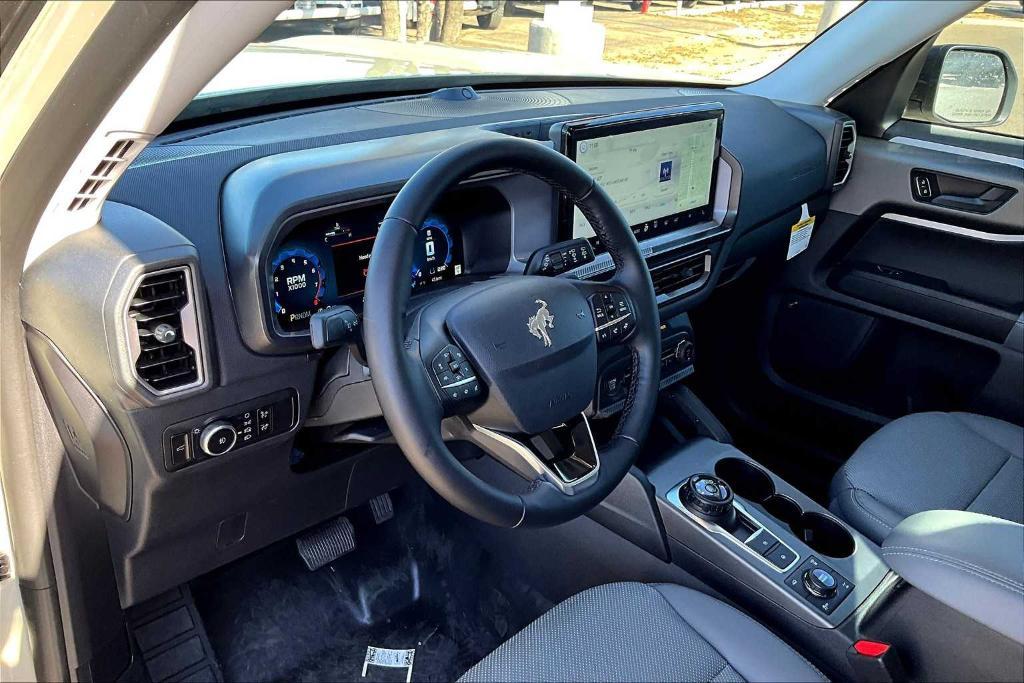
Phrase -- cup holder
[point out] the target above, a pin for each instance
(784, 509)
(821, 533)
(747, 480)
(824, 534)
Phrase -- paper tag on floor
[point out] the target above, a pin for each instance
(800, 233)
(392, 659)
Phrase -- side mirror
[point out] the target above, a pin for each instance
(964, 85)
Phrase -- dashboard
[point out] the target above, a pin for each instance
(236, 233)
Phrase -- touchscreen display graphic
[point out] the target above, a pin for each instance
(660, 177)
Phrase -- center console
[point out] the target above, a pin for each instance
(721, 505)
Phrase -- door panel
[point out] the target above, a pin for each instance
(882, 175)
(901, 305)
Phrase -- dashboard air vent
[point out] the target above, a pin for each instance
(681, 275)
(163, 331)
(847, 145)
(96, 183)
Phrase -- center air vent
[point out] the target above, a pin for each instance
(681, 275)
(847, 145)
(163, 332)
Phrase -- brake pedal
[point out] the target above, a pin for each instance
(326, 543)
(382, 508)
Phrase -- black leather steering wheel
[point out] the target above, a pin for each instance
(533, 373)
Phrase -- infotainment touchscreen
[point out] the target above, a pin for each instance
(659, 166)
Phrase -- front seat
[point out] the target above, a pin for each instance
(932, 461)
(643, 632)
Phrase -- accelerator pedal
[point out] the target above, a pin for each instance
(382, 508)
(326, 543)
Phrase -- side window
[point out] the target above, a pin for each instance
(970, 77)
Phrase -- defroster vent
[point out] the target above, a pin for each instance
(163, 332)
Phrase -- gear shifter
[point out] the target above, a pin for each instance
(710, 498)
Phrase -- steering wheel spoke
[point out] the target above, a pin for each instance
(565, 456)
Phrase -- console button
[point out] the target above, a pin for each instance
(780, 556)
(763, 542)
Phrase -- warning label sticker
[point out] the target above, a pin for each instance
(800, 233)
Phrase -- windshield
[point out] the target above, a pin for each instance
(687, 41)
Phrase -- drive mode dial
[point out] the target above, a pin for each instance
(820, 583)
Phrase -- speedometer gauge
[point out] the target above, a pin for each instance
(298, 283)
(432, 253)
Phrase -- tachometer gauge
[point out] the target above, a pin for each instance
(432, 254)
(298, 283)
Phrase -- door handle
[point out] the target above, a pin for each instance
(937, 189)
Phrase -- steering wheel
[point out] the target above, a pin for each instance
(510, 363)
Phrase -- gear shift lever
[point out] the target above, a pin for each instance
(710, 498)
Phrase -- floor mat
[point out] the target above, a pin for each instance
(418, 581)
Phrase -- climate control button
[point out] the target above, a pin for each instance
(217, 438)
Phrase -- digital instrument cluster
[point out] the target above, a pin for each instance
(324, 259)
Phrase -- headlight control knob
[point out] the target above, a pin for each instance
(820, 583)
(217, 438)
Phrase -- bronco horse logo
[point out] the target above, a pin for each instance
(540, 322)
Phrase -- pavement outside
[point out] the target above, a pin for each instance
(730, 45)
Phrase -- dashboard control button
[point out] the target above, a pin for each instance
(265, 421)
(181, 450)
(217, 438)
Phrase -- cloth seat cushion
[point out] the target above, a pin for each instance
(641, 632)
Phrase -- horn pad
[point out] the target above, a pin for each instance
(532, 340)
